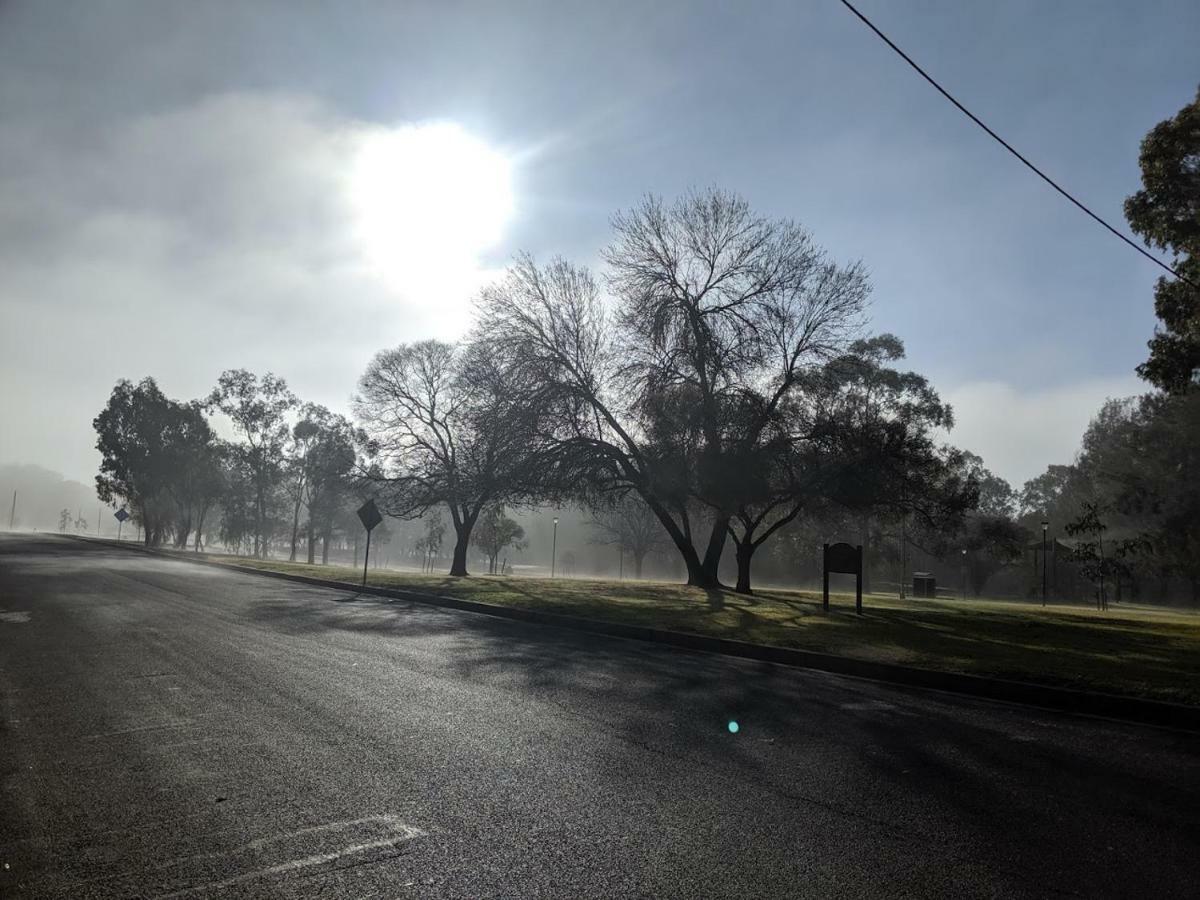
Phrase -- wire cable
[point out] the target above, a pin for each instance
(1011, 149)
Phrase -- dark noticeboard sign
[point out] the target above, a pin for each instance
(846, 559)
(120, 515)
(369, 515)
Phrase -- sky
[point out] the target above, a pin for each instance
(291, 187)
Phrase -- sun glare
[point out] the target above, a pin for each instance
(428, 200)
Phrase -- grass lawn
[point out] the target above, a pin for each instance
(1139, 651)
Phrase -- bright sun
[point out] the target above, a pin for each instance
(428, 200)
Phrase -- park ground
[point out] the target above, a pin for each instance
(1130, 650)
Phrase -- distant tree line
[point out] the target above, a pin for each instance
(723, 391)
(162, 459)
(713, 394)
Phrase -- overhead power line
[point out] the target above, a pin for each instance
(1010, 148)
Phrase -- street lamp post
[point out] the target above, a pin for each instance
(1045, 527)
(554, 548)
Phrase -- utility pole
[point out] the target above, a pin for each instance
(12, 516)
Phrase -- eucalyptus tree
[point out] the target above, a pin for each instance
(1166, 213)
(329, 468)
(888, 465)
(321, 451)
(259, 409)
(495, 532)
(157, 455)
(717, 314)
(452, 425)
(855, 430)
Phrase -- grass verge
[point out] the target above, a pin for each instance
(1132, 651)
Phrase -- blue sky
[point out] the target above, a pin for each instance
(164, 171)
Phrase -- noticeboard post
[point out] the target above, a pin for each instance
(847, 560)
(120, 515)
(369, 515)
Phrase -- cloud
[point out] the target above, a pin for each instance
(1019, 431)
(180, 243)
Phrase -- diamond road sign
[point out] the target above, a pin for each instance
(369, 515)
(120, 515)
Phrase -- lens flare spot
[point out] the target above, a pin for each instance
(734, 727)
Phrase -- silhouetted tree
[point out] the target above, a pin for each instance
(718, 310)
(627, 523)
(1090, 553)
(495, 532)
(328, 477)
(429, 545)
(156, 455)
(452, 426)
(258, 409)
(1166, 213)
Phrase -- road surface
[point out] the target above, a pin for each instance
(175, 730)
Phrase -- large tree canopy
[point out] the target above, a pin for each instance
(718, 314)
(1166, 213)
(157, 455)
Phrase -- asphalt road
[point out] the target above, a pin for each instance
(174, 730)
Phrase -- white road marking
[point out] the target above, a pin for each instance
(400, 832)
(15, 616)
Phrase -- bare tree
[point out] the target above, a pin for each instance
(719, 312)
(453, 427)
(628, 524)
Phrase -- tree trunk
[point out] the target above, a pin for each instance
(696, 576)
(200, 526)
(716, 547)
(312, 548)
(325, 549)
(745, 552)
(462, 542)
(295, 529)
(260, 539)
(866, 555)
(638, 558)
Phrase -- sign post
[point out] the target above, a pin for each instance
(120, 515)
(847, 560)
(369, 515)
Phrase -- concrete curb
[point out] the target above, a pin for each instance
(1109, 706)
